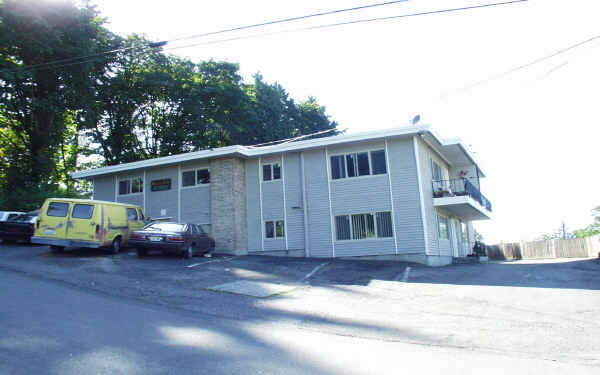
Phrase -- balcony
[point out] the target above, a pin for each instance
(461, 198)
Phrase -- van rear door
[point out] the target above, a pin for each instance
(54, 223)
(82, 222)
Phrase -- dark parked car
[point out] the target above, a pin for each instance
(169, 237)
(18, 228)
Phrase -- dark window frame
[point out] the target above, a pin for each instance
(358, 226)
(355, 164)
(269, 170)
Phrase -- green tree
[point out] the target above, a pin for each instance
(591, 229)
(36, 101)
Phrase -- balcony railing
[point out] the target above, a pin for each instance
(459, 187)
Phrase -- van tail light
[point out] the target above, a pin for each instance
(135, 235)
(97, 228)
(175, 239)
(38, 223)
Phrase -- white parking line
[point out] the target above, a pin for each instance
(309, 275)
(210, 261)
(403, 275)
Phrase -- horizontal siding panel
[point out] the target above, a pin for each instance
(272, 193)
(293, 196)
(167, 200)
(361, 194)
(405, 188)
(319, 222)
(195, 205)
(104, 188)
(364, 248)
(274, 244)
(253, 206)
(131, 199)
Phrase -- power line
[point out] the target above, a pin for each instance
(162, 43)
(289, 19)
(447, 10)
(521, 67)
(348, 23)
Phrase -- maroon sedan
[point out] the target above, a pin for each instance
(184, 239)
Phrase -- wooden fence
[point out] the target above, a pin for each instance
(574, 248)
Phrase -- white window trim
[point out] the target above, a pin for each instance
(370, 175)
(376, 238)
(130, 179)
(275, 237)
(196, 184)
(439, 234)
(270, 164)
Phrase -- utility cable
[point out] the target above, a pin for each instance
(447, 10)
(521, 67)
(162, 43)
(347, 23)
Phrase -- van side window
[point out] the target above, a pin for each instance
(57, 209)
(82, 211)
(141, 214)
(131, 214)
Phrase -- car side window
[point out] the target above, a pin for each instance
(200, 230)
(131, 214)
(194, 229)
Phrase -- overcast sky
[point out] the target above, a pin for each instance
(534, 131)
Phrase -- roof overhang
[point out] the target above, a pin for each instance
(449, 150)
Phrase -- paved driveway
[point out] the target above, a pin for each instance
(524, 310)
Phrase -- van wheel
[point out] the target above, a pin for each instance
(116, 245)
(141, 252)
(189, 253)
(57, 249)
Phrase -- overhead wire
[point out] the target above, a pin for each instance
(52, 64)
(148, 49)
(521, 67)
(308, 28)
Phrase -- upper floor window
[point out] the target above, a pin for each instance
(436, 171)
(358, 164)
(271, 172)
(131, 186)
(195, 177)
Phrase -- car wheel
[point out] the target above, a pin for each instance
(141, 252)
(57, 249)
(116, 245)
(189, 253)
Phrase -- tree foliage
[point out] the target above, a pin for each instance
(591, 229)
(108, 109)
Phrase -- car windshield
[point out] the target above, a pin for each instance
(166, 227)
(22, 218)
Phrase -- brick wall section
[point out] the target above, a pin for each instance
(228, 205)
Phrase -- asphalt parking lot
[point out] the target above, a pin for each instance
(527, 309)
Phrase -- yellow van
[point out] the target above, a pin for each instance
(65, 222)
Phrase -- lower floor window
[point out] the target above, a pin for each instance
(275, 229)
(443, 227)
(364, 226)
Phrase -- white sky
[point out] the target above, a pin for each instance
(535, 131)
